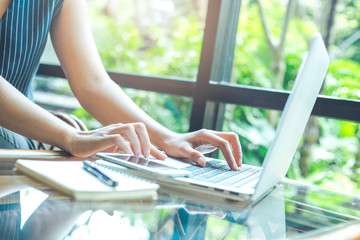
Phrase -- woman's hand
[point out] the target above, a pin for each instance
(194, 145)
(133, 139)
(129, 138)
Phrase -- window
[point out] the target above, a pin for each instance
(157, 37)
(217, 70)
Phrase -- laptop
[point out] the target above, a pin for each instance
(251, 183)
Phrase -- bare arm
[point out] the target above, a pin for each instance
(20, 115)
(103, 99)
(26, 118)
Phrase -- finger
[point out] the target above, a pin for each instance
(156, 153)
(88, 148)
(206, 148)
(129, 132)
(113, 141)
(144, 138)
(233, 139)
(224, 146)
(113, 149)
(195, 156)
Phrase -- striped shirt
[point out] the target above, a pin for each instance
(10, 217)
(24, 28)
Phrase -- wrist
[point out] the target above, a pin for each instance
(68, 137)
(163, 139)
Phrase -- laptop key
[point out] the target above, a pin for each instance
(246, 180)
(222, 177)
(217, 171)
(237, 178)
(215, 163)
(225, 175)
(208, 175)
(199, 171)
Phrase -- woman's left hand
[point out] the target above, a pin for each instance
(194, 145)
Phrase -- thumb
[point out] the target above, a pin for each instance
(156, 153)
(195, 156)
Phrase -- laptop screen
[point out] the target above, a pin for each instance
(295, 116)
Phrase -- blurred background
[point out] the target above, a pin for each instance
(164, 38)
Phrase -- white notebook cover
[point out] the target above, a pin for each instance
(70, 178)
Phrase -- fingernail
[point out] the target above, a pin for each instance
(147, 154)
(200, 161)
(235, 167)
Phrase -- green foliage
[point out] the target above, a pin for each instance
(172, 112)
(335, 154)
(343, 79)
(171, 51)
(116, 45)
(179, 55)
(252, 59)
(86, 118)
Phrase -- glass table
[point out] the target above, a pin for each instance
(30, 210)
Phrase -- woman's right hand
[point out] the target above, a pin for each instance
(131, 138)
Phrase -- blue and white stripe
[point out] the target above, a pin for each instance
(24, 28)
(10, 217)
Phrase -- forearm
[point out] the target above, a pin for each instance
(106, 101)
(22, 116)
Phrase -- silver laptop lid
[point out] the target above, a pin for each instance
(295, 115)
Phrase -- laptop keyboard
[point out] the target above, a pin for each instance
(218, 172)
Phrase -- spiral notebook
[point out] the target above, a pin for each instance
(70, 178)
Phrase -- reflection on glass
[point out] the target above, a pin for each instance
(30, 200)
(174, 217)
(99, 224)
(80, 225)
(267, 218)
